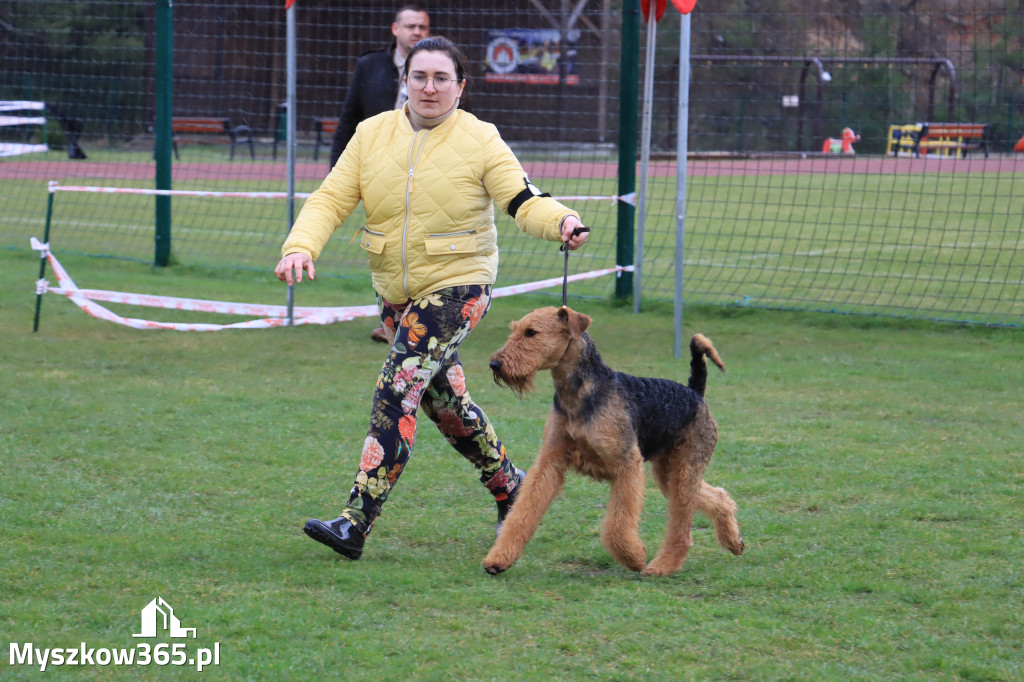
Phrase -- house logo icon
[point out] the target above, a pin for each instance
(158, 615)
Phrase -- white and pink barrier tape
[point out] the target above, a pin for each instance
(269, 315)
(57, 187)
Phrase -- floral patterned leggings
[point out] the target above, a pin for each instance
(423, 370)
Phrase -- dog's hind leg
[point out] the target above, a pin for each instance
(720, 508)
(543, 483)
(620, 530)
(680, 484)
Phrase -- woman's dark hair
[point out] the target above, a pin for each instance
(440, 44)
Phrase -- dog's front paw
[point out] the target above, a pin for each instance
(497, 562)
(494, 566)
(660, 568)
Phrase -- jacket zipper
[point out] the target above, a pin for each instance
(451, 234)
(367, 230)
(408, 191)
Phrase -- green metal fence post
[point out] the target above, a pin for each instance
(164, 103)
(628, 93)
(42, 256)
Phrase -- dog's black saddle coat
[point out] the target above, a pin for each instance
(660, 409)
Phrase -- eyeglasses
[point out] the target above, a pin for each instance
(418, 81)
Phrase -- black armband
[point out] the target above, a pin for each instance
(530, 192)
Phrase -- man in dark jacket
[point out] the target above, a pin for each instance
(376, 85)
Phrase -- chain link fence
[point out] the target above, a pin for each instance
(781, 211)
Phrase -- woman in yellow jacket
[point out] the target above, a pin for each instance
(428, 176)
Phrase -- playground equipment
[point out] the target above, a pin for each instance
(842, 145)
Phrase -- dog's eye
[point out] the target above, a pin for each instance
(530, 332)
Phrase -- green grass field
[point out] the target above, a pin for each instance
(877, 464)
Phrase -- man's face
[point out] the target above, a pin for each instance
(410, 28)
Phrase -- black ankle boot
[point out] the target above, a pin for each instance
(504, 506)
(341, 535)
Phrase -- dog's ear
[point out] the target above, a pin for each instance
(576, 322)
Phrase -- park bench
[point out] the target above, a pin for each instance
(946, 139)
(188, 129)
(325, 128)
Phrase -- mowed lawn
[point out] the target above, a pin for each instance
(877, 465)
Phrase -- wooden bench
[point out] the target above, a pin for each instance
(325, 129)
(944, 139)
(187, 129)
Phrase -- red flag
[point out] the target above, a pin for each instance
(288, 4)
(685, 6)
(645, 7)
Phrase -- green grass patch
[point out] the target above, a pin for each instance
(877, 465)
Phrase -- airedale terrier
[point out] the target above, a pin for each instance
(606, 424)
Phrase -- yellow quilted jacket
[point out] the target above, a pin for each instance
(429, 198)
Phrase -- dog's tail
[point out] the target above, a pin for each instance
(700, 346)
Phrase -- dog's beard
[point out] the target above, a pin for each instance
(519, 385)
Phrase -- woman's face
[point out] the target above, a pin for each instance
(425, 71)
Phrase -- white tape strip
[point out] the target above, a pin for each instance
(556, 281)
(194, 304)
(17, 149)
(272, 316)
(54, 186)
(21, 105)
(22, 120)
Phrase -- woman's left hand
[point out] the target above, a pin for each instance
(571, 241)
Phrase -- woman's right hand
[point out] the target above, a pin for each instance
(298, 262)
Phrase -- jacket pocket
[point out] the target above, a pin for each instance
(454, 244)
(373, 241)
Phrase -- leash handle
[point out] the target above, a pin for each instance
(575, 233)
(565, 270)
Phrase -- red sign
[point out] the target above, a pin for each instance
(645, 7)
(684, 6)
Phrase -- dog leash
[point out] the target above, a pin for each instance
(565, 271)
